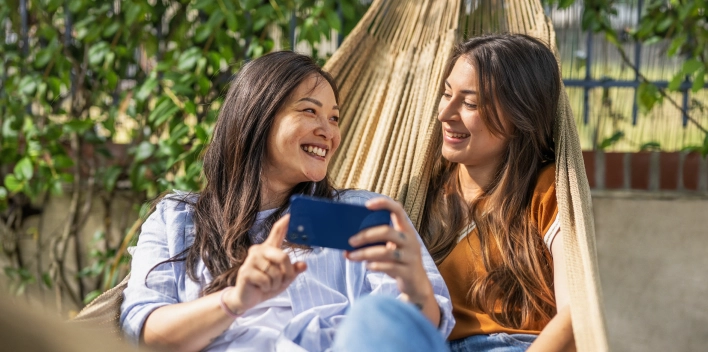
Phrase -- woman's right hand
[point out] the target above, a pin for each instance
(266, 272)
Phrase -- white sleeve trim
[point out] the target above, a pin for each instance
(551, 233)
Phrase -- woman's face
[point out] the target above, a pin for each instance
(466, 139)
(304, 135)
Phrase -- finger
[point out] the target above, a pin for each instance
(398, 214)
(278, 264)
(277, 233)
(258, 279)
(297, 269)
(378, 254)
(388, 268)
(378, 234)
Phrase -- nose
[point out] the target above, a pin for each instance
(447, 110)
(325, 129)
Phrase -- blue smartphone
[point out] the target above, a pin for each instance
(326, 223)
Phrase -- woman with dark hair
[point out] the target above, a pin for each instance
(490, 219)
(212, 271)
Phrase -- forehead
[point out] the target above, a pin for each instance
(313, 85)
(463, 75)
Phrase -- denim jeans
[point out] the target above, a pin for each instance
(385, 324)
(500, 342)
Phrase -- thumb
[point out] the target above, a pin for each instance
(277, 233)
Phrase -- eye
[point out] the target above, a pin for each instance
(310, 110)
(447, 95)
(471, 106)
(335, 119)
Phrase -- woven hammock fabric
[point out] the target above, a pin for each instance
(389, 71)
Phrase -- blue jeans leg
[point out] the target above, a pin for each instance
(500, 342)
(385, 324)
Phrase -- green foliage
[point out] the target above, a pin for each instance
(680, 25)
(124, 94)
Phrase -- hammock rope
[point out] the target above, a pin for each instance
(390, 68)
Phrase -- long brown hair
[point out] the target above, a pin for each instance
(519, 83)
(233, 164)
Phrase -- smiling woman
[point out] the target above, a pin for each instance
(212, 271)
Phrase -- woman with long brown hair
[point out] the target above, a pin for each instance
(212, 271)
(491, 219)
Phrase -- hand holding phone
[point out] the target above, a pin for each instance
(325, 223)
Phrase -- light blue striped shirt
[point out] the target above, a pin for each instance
(304, 317)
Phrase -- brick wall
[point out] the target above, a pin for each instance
(649, 171)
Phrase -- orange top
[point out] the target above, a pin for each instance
(464, 264)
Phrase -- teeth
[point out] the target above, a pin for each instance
(315, 150)
(456, 135)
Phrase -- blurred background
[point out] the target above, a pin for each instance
(104, 105)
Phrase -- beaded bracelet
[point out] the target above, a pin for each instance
(224, 306)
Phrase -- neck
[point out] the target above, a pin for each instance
(474, 179)
(273, 194)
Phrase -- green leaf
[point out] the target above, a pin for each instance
(63, 162)
(78, 126)
(146, 89)
(188, 59)
(699, 81)
(43, 57)
(132, 13)
(91, 296)
(650, 146)
(27, 85)
(190, 108)
(24, 170)
(202, 33)
(144, 151)
(675, 83)
(3, 193)
(607, 142)
(691, 66)
(111, 178)
(334, 21)
(13, 184)
(664, 24)
(653, 40)
(648, 95)
(111, 29)
(676, 44)
(97, 52)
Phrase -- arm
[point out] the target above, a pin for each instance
(192, 325)
(558, 334)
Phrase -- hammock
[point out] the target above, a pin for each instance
(389, 69)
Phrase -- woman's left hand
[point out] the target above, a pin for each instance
(400, 257)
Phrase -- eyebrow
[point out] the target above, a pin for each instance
(316, 102)
(464, 91)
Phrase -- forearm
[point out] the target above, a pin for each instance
(188, 326)
(430, 307)
(557, 335)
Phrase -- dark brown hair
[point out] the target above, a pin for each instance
(518, 83)
(233, 164)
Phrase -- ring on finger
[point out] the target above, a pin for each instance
(266, 268)
(397, 255)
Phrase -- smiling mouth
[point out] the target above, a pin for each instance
(456, 135)
(314, 150)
